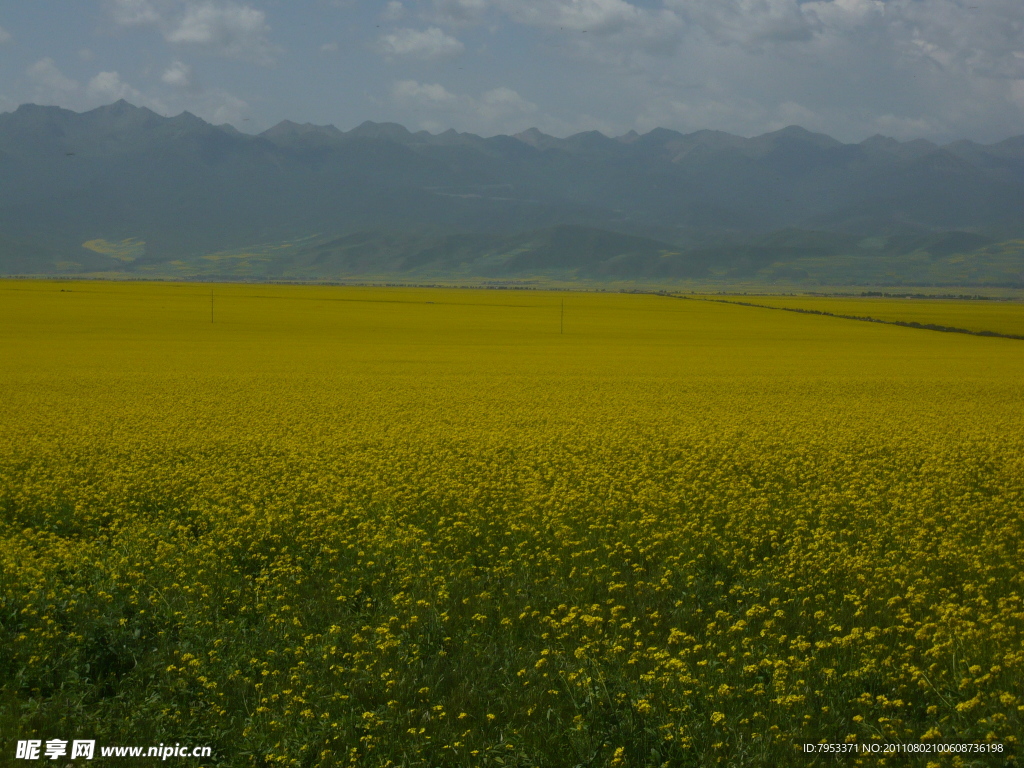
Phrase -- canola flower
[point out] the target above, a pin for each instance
(421, 527)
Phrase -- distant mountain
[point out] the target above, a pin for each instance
(121, 189)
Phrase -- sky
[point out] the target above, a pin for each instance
(935, 69)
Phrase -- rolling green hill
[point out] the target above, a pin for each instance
(565, 253)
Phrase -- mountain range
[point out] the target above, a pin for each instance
(121, 190)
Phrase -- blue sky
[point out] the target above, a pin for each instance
(938, 69)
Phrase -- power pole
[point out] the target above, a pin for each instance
(211, 305)
(561, 317)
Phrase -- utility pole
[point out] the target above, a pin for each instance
(211, 305)
(561, 317)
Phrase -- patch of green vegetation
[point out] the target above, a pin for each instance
(128, 249)
(789, 258)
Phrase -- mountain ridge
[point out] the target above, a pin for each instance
(186, 188)
(394, 131)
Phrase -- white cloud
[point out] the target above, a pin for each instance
(133, 13)
(960, 38)
(504, 107)
(499, 110)
(1016, 93)
(848, 14)
(497, 104)
(594, 16)
(177, 75)
(951, 33)
(903, 128)
(424, 94)
(749, 23)
(943, 69)
(234, 31)
(108, 87)
(222, 107)
(459, 11)
(393, 11)
(211, 104)
(940, 69)
(610, 29)
(794, 113)
(46, 76)
(5, 36)
(430, 43)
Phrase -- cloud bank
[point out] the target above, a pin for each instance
(225, 29)
(850, 67)
(938, 69)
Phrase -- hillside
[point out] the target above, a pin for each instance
(122, 190)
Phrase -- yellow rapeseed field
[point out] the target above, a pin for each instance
(422, 527)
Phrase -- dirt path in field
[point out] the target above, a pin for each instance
(865, 319)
